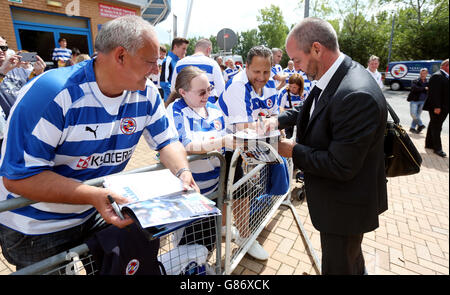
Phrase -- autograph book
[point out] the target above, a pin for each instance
(158, 200)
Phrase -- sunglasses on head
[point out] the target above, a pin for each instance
(4, 47)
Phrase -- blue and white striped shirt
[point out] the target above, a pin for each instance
(231, 72)
(63, 123)
(289, 73)
(63, 53)
(204, 63)
(194, 128)
(283, 100)
(241, 104)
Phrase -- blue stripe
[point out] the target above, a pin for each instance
(210, 189)
(158, 127)
(207, 68)
(37, 214)
(165, 143)
(248, 101)
(205, 176)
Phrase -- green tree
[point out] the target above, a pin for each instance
(246, 40)
(272, 27)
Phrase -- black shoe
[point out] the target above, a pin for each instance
(441, 153)
(412, 130)
(420, 128)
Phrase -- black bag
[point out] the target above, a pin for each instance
(400, 155)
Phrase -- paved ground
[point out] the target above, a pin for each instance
(413, 237)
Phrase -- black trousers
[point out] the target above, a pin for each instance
(433, 138)
(342, 254)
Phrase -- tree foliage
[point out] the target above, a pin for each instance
(272, 28)
(421, 29)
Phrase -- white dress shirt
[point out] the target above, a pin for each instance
(322, 83)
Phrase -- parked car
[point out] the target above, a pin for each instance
(400, 74)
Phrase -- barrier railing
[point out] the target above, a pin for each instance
(78, 260)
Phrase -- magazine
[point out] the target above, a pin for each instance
(158, 199)
(256, 152)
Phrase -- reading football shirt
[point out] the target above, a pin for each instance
(63, 123)
(194, 128)
(240, 103)
(208, 65)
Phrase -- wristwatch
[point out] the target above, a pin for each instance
(181, 171)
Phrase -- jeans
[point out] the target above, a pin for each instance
(22, 250)
(415, 108)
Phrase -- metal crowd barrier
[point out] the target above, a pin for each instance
(250, 208)
(203, 238)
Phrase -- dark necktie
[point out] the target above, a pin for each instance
(315, 93)
(304, 118)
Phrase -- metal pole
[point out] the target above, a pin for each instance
(188, 18)
(306, 8)
(390, 42)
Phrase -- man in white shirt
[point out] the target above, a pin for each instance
(277, 71)
(339, 145)
(372, 68)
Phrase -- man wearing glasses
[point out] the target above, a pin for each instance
(77, 123)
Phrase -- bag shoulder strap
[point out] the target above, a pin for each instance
(392, 113)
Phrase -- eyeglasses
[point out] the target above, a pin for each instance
(4, 47)
(203, 92)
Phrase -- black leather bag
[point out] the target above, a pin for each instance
(400, 155)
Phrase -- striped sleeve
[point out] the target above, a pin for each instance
(160, 131)
(235, 103)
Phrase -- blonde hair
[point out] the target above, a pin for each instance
(183, 81)
(82, 57)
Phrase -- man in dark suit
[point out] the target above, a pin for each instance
(339, 145)
(437, 106)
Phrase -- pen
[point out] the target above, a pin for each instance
(115, 207)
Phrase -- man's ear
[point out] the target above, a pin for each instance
(316, 48)
(119, 55)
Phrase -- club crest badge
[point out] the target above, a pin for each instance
(128, 126)
(269, 103)
(132, 267)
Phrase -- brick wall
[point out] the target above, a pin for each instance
(88, 9)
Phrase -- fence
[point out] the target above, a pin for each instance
(250, 207)
(194, 249)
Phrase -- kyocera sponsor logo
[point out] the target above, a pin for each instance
(95, 161)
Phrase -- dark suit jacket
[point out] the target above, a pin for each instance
(438, 94)
(341, 152)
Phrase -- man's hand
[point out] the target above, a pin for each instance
(11, 62)
(188, 181)
(106, 210)
(285, 148)
(437, 111)
(39, 66)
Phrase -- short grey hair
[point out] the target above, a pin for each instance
(423, 69)
(311, 30)
(125, 31)
(261, 51)
(203, 44)
(275, 50)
